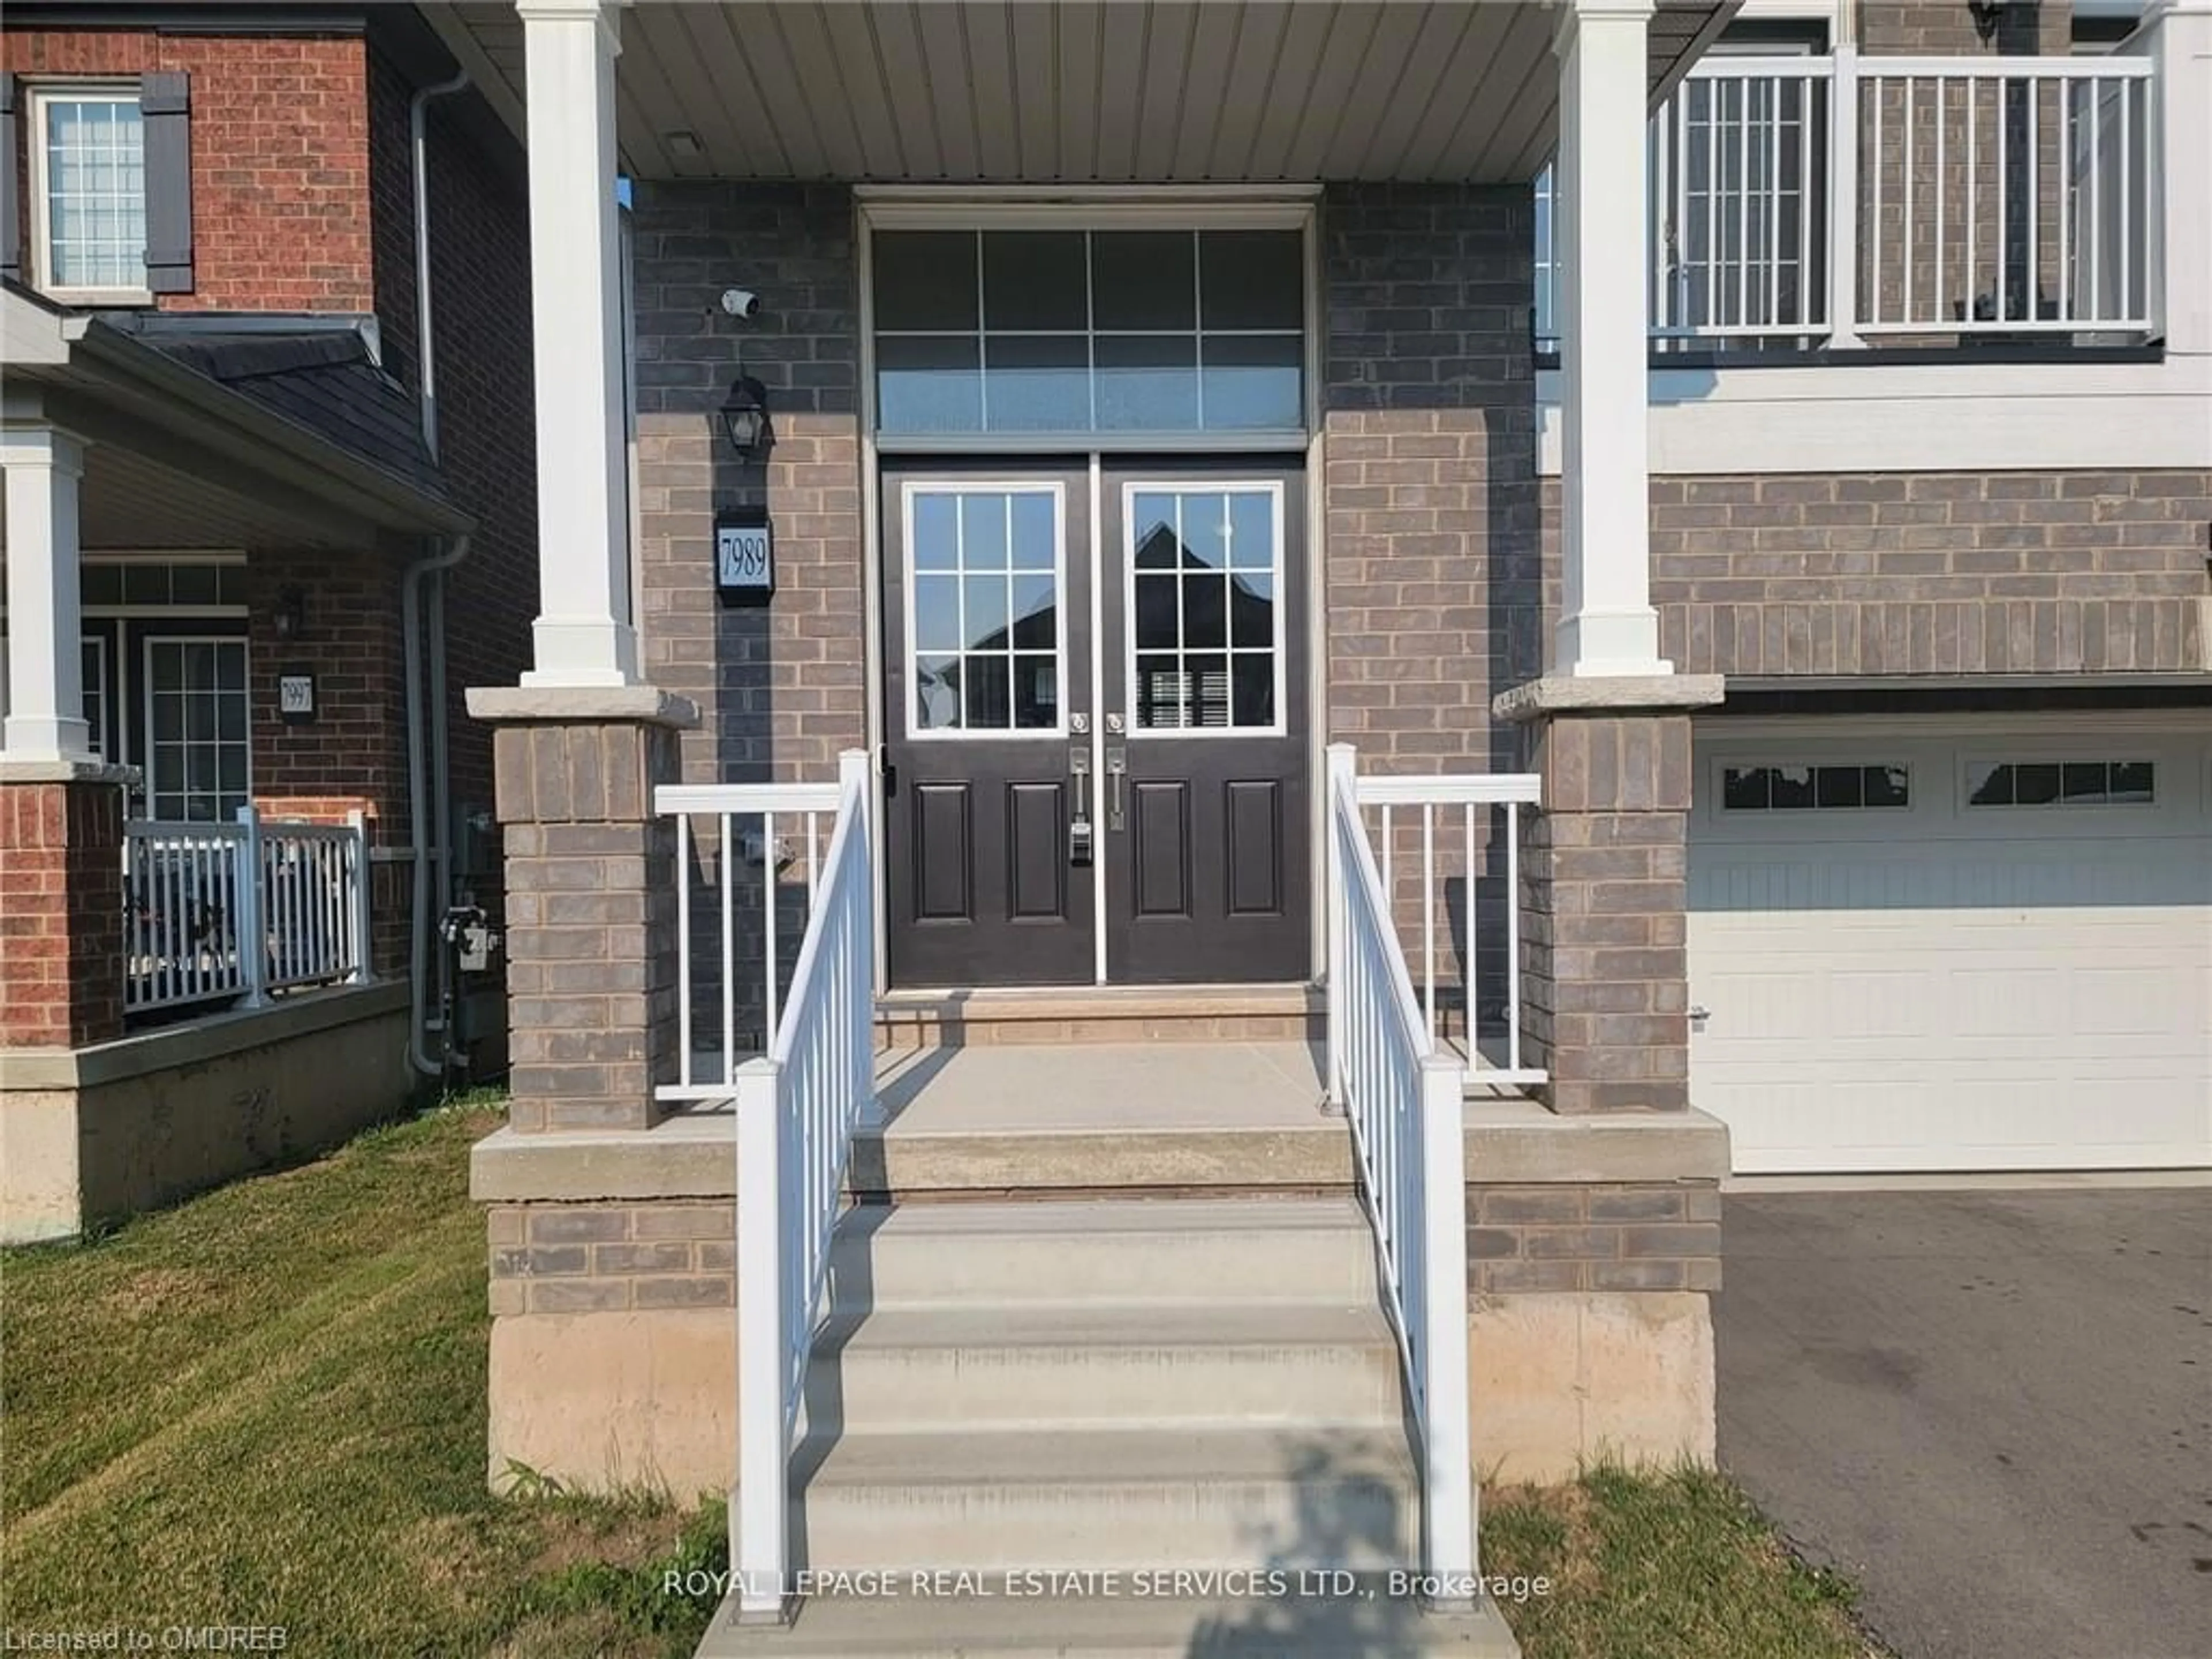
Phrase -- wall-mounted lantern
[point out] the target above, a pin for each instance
(289, 618)
(744, 417)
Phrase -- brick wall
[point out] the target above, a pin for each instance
(61, 914)
(1651, 1237)
(783, 690)
(1433, 600)
(1935, 573)
(780, 690)
(280, 158)
(1945, 29)
(593, 1258)
(480, 289)
(353, 753)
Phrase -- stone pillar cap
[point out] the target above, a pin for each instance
(25, 769)
(1620, 694)
(582, 704)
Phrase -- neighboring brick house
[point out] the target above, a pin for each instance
(221, 471)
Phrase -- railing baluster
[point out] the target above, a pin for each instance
(1907, 230)
(1935, 285)
(683, 980)
(2127, 213)
(1878, 91)
(1429, 914)
(730, 954)
(2031, 260)
(767, 918)
(1512, 936)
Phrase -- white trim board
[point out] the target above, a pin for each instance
(1937, 417)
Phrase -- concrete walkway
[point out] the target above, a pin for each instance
(1994, 1410)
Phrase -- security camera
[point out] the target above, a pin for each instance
(741, 302)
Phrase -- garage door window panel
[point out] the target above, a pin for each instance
(2060, 783)
(1832, 787)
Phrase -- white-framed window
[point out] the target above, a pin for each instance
(198, 751)
(986, 574)
(1825, 785)
(88, 178)
(2063, 782)
(1204, 607)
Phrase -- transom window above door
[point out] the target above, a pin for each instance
(1084, 332)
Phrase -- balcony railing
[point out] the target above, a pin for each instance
(1800, 202)
(202, 896)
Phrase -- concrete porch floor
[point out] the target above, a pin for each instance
(1079, 1089)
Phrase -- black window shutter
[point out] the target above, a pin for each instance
(165, 102)
(11, 210)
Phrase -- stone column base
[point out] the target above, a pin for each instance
(591, 901)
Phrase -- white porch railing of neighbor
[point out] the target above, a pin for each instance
(798, 1108)
(771, 828)
(1402, 1096)
(1454, 812)
(1843, 200)
(198, 893)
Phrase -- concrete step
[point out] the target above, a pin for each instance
(986, 1367)
(1089, 1013)
(1121, 1253)
(1091, 1498)
(1115, 1624)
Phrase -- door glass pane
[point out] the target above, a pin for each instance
(1035, 531)
(199, 759)
(985, 638)
(984, 620)
(937, 613)
(1037, 613)
(1203, 635)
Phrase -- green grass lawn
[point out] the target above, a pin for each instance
(266, 1406)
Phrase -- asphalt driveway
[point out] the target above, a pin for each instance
(1994, 1410)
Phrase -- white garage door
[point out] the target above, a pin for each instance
(1990, 951)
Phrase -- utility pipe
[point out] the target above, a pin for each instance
(429, 803)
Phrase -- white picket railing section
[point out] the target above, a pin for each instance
(1846, 199)
(772, 827)
(2005, 195)
(201, 897)
(1431, 800)
(1402, 1096)
(797, 1109)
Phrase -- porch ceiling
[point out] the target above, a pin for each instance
(1080, 91)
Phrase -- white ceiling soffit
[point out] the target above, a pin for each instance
(1081, 91)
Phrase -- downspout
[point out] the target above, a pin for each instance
(428, 817)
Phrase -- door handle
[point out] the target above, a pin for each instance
(1079, 826)
(1117, 767)
(1698, 1015)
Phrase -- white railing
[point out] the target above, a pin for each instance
(1402, 1097)
(797, 1109)
(200, 897)
(2005, 195)
(1845, 200)
(721, 946)
(1476, 814)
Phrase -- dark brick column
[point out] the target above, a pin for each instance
(591, 902)
(1604, 901)
(61, 908)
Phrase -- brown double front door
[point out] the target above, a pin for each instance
(1096, 749)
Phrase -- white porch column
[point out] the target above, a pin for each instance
(46, 678)
(2176, 35)
(1607, 626)
(584, 635)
